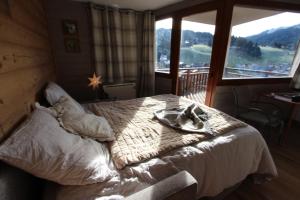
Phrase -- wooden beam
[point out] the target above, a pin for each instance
(175, 49)
(219, 49)
(200, 8)
(267, 4)
(174, 9)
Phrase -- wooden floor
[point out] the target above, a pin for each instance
(287, 185)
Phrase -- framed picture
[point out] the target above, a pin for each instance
(70, 27)
(4, 7)
(72, 45)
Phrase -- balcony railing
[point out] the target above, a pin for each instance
(193, 83)
(248, 73)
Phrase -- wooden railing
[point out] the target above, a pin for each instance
(192, 81)
(230, 72)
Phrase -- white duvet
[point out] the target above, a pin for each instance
(216, 164)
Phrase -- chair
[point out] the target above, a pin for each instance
(262, 115)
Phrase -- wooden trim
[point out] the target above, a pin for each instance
(221, 38)
(200, 8)
(266, 4)
(222, 34)
(163, 75)
(161, 17)
(175, 49)
(254, 81)
(258, 4)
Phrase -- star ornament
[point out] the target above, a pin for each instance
(95, 81)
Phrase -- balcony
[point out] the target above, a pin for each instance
(192, 83)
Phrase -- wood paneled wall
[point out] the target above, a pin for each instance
(26, 62)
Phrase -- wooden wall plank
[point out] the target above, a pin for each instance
(17, 34)
(37, 8)
(19, 83)
(20, 92)
(26, 61)
(24, 17)
(34, 8)
(14, 57)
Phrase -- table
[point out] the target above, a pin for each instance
(292, 115)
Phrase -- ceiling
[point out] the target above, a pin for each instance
(240, 15)
(135, 4)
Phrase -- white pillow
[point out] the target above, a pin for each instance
(54, 92)
(44, 149)
(77, 121)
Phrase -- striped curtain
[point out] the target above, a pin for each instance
(146, 70)
(123, 43)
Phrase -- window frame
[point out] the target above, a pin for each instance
(165, 74)
(267, 5)
(221, 39)
(176, 38)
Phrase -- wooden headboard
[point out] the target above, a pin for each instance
(26, 61)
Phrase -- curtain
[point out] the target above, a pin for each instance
(123, 45)
(146, 69)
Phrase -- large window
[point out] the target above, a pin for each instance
(163, 29)
(197, 34)
(263, 44)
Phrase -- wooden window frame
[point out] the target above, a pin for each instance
(165, 74)
(220, 44)
(268, 5)
(176, 37)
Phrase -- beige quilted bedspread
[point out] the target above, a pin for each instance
(139, 136)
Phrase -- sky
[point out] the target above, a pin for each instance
(243, 30)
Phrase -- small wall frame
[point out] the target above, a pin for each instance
(70, 27)
(72, 45)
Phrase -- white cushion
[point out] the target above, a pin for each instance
(77, 121)
(54, 92)
(44, 149)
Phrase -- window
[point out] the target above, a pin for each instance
(163, 29)
(197, 34)
(263, 44)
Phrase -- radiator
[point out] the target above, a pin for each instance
(121, 91)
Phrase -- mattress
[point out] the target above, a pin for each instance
(216, 164)
(140, 136)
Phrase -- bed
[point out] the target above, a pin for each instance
(216, 163)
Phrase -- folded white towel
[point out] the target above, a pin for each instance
(190, 119)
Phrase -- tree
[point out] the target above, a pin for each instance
(246, 47)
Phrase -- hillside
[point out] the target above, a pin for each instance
(286, 37)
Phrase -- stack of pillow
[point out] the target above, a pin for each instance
(60, 143)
